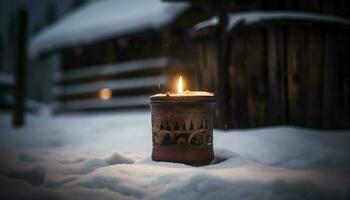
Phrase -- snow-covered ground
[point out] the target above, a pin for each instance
(107, 156)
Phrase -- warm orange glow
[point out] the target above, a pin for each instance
(180, 88)
(105, 94)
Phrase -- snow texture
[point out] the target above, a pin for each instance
(104, 19)
(107, 156)
(253, 17)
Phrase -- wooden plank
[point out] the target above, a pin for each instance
(237, 82)
(120, 84)
(222, 86)
(309, 5)
(332, 91)
(21, 62)
(314, 80)
(276, 113)
(115, 68)
(345, 49)
(208, 67)
(116, 102)
(344, 8)
(330, 6)
(211, 67)
(291, 100)
(255, 63)
(273, 5)
(208, 72)
(150, 90)
(296, 69)
(290, 5)
(200, 65)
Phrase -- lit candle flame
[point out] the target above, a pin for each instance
(180, 89)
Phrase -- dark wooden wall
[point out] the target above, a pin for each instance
(285, 73)
(295, 75)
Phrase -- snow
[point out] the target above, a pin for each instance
(116, 68)
(104, 19)
(252, 17)
(107, 156)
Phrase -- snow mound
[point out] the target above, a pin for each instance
(289, 146)
(107, 156)
(225, 157)
(211, 187)
(22, 167)
(18, 190)
(93, 164)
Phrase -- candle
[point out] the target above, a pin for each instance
(181, 93)
(182, 126)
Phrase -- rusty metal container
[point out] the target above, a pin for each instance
(182, 129)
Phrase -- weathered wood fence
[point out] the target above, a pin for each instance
(284, 71)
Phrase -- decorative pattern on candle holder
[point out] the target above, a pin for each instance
(182, 129)
(186, 129)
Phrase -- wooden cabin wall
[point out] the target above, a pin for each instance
(337, 7)
(160, 54)
(176, 43)
(207, 67)
(138, 57)
(129, 47)
(286, 73)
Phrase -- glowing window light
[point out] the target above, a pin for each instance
(105, 94)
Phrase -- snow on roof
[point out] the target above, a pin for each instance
(102, 19)
(253, 17)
